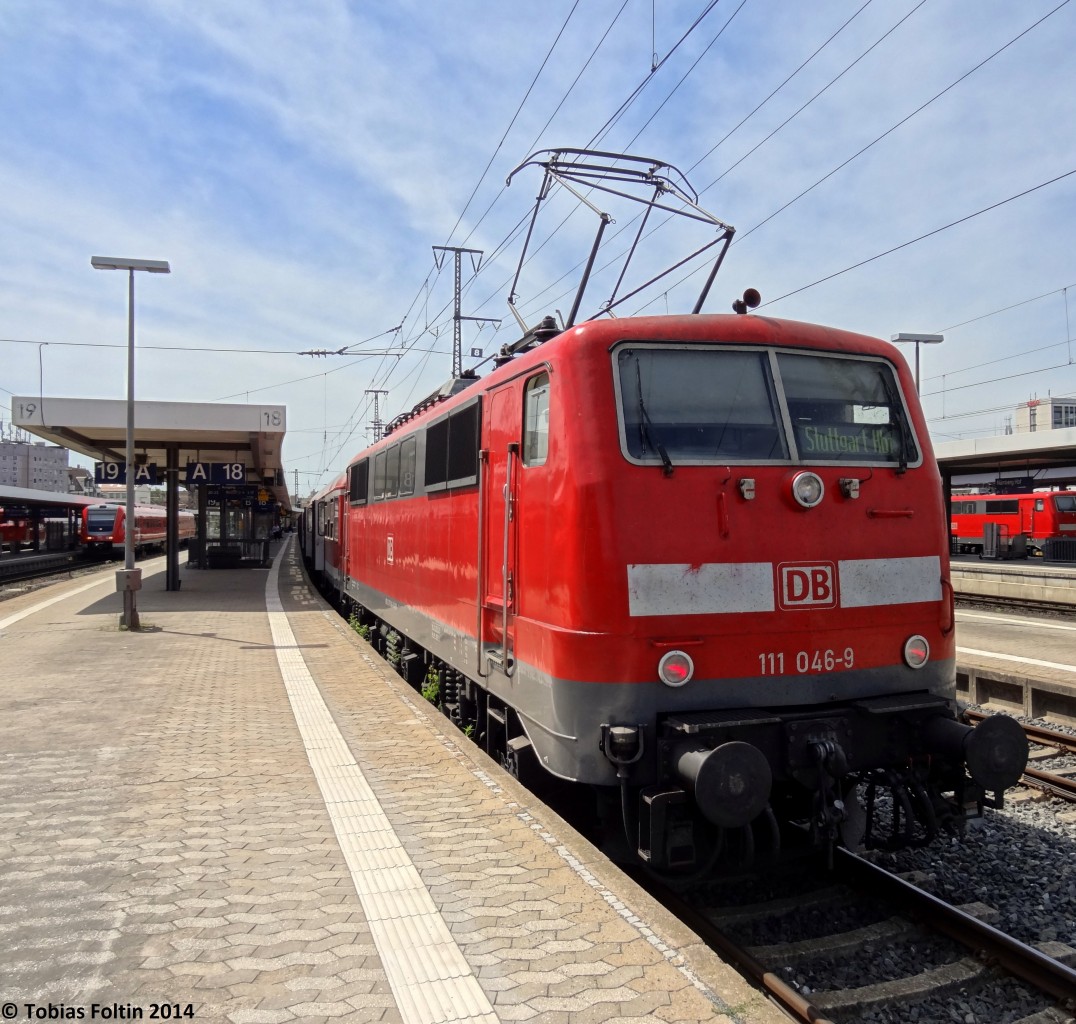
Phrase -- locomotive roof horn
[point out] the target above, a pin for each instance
(751, 298)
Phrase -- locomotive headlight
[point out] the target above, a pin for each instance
(916, 651)
(675, 668)
(808, 489)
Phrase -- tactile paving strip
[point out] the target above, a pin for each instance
(430, 979)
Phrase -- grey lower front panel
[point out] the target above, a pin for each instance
(563, 717)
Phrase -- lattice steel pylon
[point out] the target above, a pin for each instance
(457, 318)
(377, 425)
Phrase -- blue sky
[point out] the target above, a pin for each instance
(296, 163)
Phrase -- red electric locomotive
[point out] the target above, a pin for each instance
(694, 567)
(103, 528)
(19, 531)
(1038, 517)
(696, 563)
(16, 531)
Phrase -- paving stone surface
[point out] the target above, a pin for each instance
(163, 840)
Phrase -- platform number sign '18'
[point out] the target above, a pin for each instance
(215, 473)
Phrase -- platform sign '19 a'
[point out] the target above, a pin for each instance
(116, 473)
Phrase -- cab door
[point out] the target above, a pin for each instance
(500, 528)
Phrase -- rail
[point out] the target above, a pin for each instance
(991, 945)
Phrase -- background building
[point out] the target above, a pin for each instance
(39, 466)
(1045, 414)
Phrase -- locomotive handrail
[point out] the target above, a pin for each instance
(480, 560)
(506, 575)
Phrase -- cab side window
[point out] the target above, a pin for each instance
(536, 420)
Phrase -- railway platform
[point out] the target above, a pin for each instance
(241, 814)
(1032, 581)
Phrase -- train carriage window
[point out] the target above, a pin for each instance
(380, 467)
(536, 420)
(436, 454)
(358, 482)
(408, 454)
(1065, 503)
(845, 410)
(463, 446)
(452, 449)
(392, 471)
(698, 405)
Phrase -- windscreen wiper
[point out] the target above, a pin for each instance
(645, 426)
(904, 429)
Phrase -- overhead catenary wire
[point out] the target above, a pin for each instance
(744, 234)
(904, 120)
(928, 234)
(624, 106)
(757, 108)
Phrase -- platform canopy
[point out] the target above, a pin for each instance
(196, 432)
(1046, 455)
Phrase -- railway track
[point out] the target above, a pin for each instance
(871, 945)
(19, 575)
(863, 944)
(1013, 605)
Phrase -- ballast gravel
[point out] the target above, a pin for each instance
(1020, 860)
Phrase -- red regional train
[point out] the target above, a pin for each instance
(103, 528)
(694, 566)
(1039, 517)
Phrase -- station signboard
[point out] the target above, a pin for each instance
(116, 473)
(215, 473)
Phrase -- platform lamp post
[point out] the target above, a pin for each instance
(129, 579)
(919, 339)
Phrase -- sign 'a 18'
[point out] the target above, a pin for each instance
(215, 473)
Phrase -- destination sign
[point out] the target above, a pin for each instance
(237, 495)
(116, 473)
(848, 440)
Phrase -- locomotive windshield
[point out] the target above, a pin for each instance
(695, 405)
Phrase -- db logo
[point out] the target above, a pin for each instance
(807, 584)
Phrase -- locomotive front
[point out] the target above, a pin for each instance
(776, 598)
